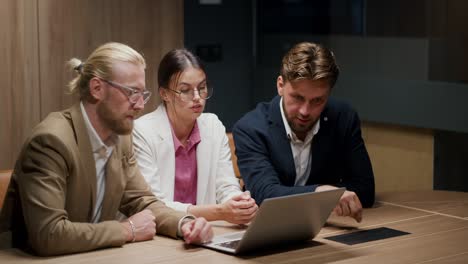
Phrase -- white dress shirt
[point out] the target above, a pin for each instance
(300, 149)
(101, 153)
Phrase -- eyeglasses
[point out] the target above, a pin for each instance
(187, 95)
(133, 94)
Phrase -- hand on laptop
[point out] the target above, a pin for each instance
(240, 209)
(349, 204)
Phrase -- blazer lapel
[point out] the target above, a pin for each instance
(320, 148)
(113, 185)
(281, 144)
(88, 165)
(165, 152)
(203, 166)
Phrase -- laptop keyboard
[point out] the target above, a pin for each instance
(230, 244)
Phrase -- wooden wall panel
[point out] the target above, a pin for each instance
(402, 158)
(74, 28)
(38, 37)
(19, 78)
(154, 28)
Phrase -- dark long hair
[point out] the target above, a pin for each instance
(174, 63)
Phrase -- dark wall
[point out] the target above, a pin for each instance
(222, 35)
(391, 73)
(402, 63)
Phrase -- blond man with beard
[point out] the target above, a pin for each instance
(78, 170)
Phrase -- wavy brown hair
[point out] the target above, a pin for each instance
(310, 61)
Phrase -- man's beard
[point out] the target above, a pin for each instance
(297, 129)
(120, 126)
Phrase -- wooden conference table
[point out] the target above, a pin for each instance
(436, 220)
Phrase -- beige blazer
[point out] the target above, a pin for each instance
(51, 197)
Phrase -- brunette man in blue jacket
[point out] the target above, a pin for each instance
(303, 140)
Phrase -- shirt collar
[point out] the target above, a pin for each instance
(291, 135)
(97, 144)
(193, 139)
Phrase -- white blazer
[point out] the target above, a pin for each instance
(154, 147)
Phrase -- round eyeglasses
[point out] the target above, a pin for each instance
(187, 95)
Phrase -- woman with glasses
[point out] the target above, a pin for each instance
(184, 153)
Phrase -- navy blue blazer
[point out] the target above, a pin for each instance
(339, 156)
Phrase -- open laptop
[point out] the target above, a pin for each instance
(281, 220)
